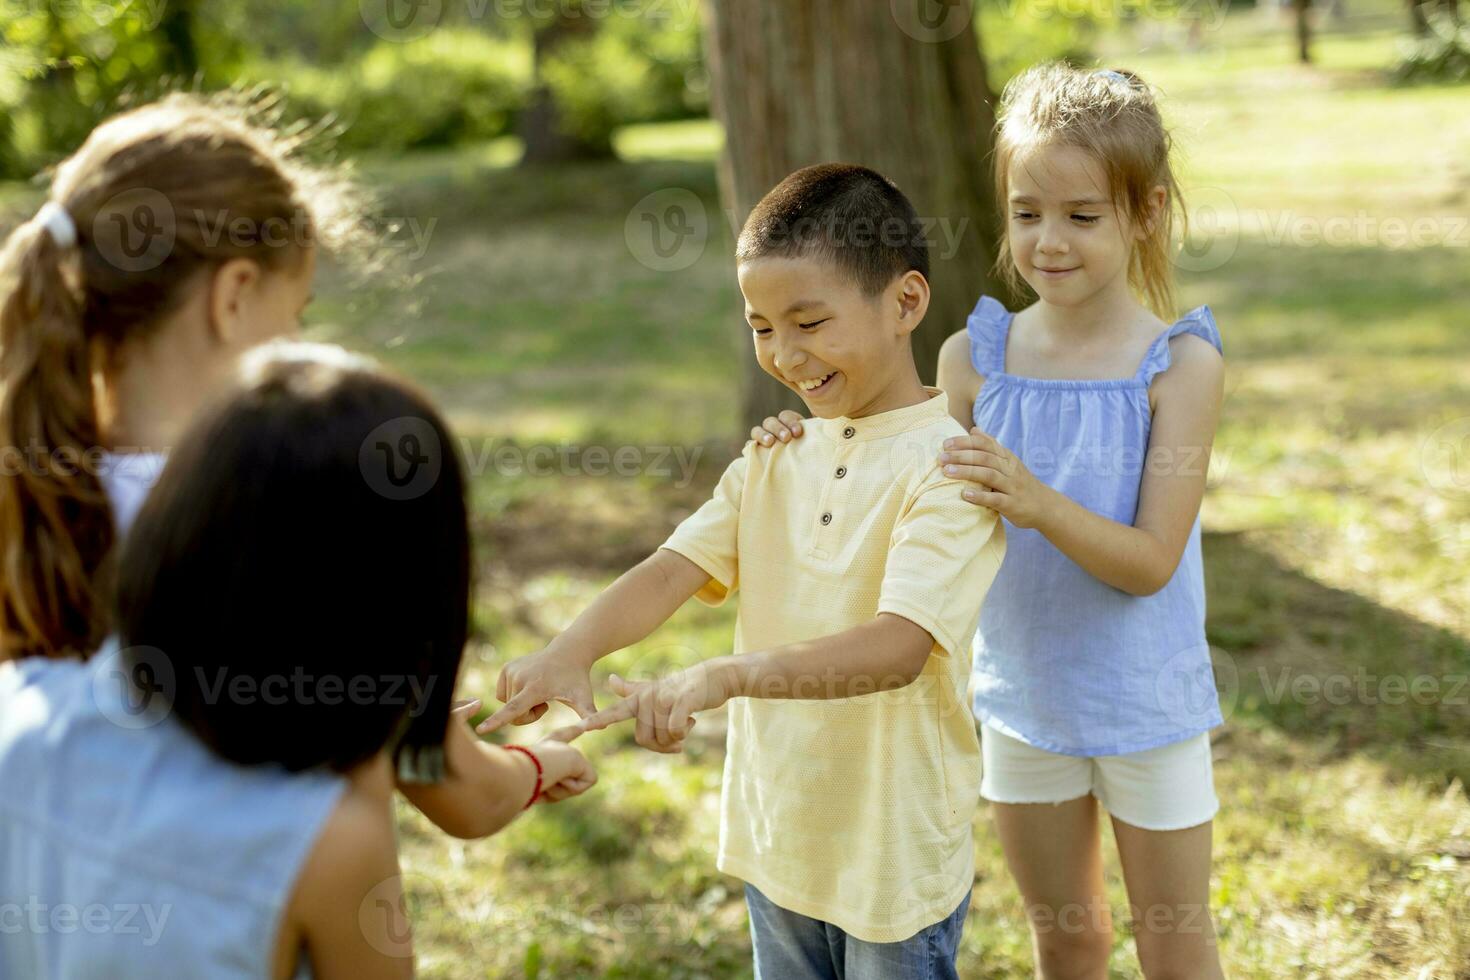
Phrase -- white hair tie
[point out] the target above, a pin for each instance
(58, 224)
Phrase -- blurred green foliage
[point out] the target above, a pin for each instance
(67, 64)
(1443, 55)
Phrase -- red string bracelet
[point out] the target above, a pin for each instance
(536, 794)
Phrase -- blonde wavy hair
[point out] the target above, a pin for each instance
(1112, 115)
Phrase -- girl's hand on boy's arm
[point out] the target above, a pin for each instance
(785, 427)
(1002, 481)
(664, 708)
(528, 684)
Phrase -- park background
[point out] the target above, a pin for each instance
(557, 272)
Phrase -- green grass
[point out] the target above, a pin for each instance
(1336, 547)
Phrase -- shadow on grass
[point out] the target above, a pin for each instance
(1329, 666)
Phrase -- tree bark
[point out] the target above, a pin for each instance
(894, 87)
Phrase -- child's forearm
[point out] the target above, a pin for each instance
(1128, 558)
(487, 787)
(639, 602)
(887, 653)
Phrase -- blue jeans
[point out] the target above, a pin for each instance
(789, 946)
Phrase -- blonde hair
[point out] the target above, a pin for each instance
(1111, 115)
(67, 303)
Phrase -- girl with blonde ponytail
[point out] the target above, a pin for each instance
(182, 233)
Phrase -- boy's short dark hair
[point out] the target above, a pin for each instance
(310, 612)
(853, 217)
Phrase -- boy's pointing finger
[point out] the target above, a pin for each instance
(611, 715)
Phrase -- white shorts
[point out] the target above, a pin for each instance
(1167, 788)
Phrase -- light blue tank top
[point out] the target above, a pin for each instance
(135, 853)
(1062, 661)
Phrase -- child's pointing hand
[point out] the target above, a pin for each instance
(664, 708)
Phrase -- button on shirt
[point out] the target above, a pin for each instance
(855, 811)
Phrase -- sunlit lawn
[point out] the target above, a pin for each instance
(1338, 522)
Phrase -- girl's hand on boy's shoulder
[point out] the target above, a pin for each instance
(783, 427)
(1003, 483)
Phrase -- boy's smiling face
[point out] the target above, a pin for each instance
(845, 353)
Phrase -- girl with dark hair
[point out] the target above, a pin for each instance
(292, 605)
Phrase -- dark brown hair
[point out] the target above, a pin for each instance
(851, 216)
(168, 171)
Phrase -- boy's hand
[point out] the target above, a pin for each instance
(527, 685)
(565, 772)
(786, 426)
(665, 708)
(1005, 484)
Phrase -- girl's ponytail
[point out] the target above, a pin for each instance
(74, 294)
(56, 529)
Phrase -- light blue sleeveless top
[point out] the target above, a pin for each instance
(128, 850)
(1062, 661)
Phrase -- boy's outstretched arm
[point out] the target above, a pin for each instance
(639, 602)
(887, 653)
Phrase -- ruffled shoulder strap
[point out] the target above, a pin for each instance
(987, 326)
(1198, 321)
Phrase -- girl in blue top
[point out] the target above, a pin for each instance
(1093, 417)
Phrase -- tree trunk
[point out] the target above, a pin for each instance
(177, 31)
(897, 87)
(543, 135)
(1303, 30)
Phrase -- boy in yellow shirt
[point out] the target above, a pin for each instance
(853, 767)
